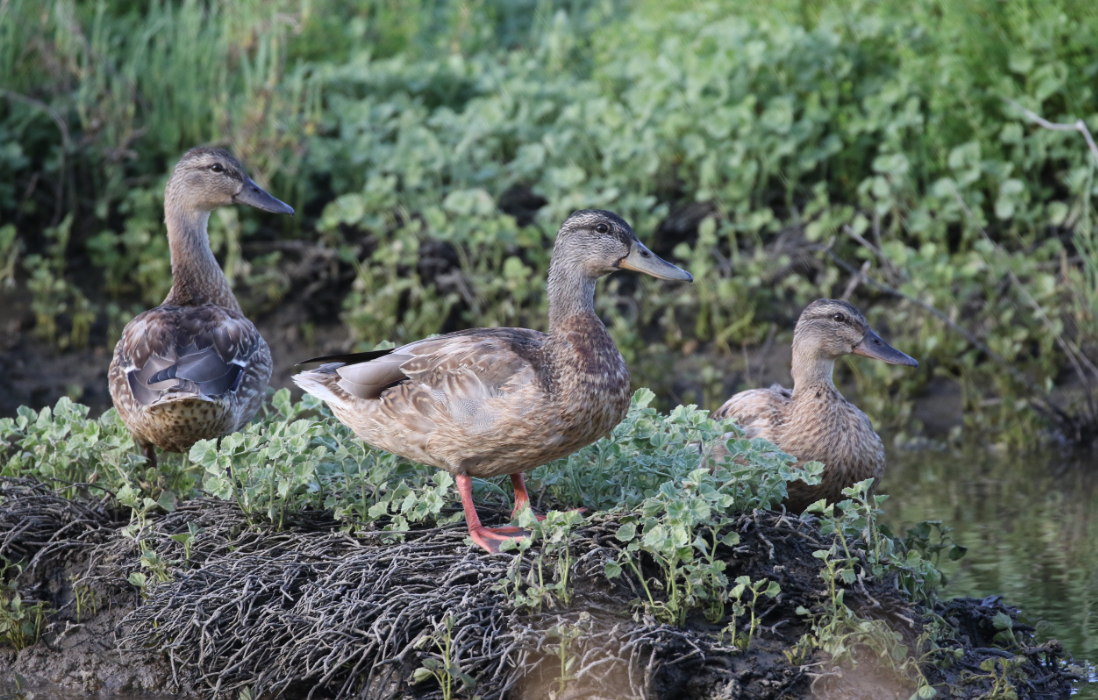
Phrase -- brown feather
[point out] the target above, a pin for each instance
(176, 411)
(193, 368)
(492, 401)
(813, 422)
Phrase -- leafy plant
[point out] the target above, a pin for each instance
(862, 550)
(53, 295)
(20, 622)
(187, 539)
(683, 527)
(84, 596)
(565, 634)
(743, 585)
(551, 536)
(767, 146)
(71, 452)
(442, 667)
(290, 464)
(870, 548)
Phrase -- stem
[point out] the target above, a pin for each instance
(640, 576)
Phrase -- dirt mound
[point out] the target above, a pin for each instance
(226, 605)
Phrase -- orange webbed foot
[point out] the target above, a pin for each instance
(490, 538)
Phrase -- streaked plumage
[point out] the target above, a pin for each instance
(194, 367)
(492, 401)
(813, 422)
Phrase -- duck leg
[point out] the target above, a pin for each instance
(522, 499)
(487, 537)
(150, 453)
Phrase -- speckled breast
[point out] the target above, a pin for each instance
(175, 426)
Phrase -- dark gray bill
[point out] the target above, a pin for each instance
(640, 259)
(255, 196)
(873, 346)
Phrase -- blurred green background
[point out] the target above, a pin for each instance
(781, 151)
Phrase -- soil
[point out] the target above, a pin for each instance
(35, 374)
(305, 322)
(312, 610)
(55, 539)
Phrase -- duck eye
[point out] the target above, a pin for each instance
(840, 318)
(602, 228)
(217, 167)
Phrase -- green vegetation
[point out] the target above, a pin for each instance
(434, 149)
(20, 622)
(442, 668)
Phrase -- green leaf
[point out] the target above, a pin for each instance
(626, 532)
(1002, 621)
(168, 501)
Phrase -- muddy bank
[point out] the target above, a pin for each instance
(50, 543)
(236, 606)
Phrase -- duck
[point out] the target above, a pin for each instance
(813, 421)
(486, 402)
(193, 368)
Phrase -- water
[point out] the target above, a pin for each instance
(1030, 522)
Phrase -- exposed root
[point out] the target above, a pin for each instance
(37, 525)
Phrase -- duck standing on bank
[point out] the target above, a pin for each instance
(491, 401)
(813, 422)
(194, 368)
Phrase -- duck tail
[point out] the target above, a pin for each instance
(322, 383)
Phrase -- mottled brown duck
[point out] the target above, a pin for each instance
(813, 422)
(492, 401)
(194, 367)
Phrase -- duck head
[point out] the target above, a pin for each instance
(207, 178)
(832, 328)
(600, 242)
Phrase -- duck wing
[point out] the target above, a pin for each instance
(760, 412)
(200, 351)
(455, 369)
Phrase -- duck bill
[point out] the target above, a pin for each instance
(640, 259)
(873, 346)
(255, 196)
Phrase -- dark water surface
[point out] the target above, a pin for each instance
(1030, 522)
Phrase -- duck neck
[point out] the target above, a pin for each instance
(197, 279)
(571, 296)
(811, 371)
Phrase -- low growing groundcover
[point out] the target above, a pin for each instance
(353, 577)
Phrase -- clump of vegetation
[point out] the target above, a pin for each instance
(20, 622)
(781, 152)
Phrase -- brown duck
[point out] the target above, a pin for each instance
(492, 401)
(193, 368)
(813, 422)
